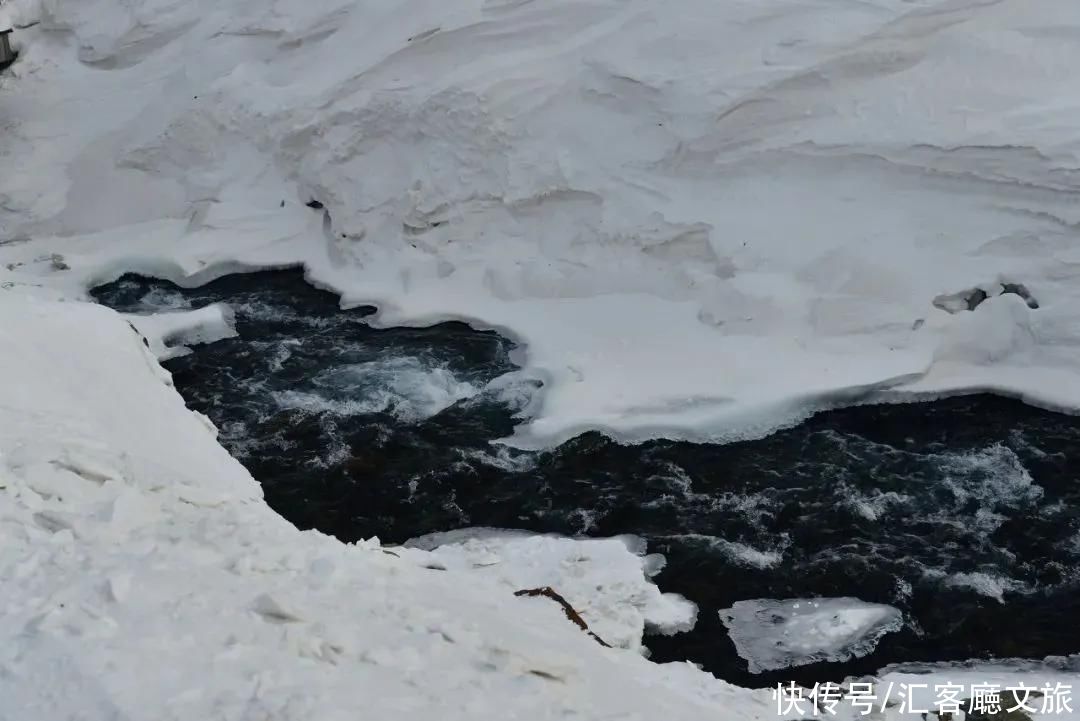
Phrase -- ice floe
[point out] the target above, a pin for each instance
(773, 634)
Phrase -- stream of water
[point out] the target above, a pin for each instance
(963, 513)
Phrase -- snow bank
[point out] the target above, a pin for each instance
(145, 577)
(703, 220)
(168, 334)
(773, 634)
(605, 580)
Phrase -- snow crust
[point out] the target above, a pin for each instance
(169, 334)
(607, 585)
(703, 220)
(773, 634)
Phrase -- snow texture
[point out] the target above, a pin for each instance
(774, 634)
(700, 219)
(605, 584)
(168, 334)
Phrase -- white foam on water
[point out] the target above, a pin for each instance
(269, 312)
(280, 353)
(336, 450)
(774, 634)
(501, 457)
(985, 583)
(741, 554)
(993, 477)
(871, 504)
(163, 299)
(404, 386)
(518, 391)
(1020, 440)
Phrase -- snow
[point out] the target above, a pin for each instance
(736, 552)
(605, 580)
(700, 220)
(704, 221)
(168, 334)
(773, 634)
(991, 585)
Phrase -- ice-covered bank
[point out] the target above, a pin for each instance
(144, 577)
(704, 218)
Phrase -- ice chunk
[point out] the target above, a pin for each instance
(607, 580)
(168, 334)
(773, 634)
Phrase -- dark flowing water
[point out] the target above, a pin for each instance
(964, 513)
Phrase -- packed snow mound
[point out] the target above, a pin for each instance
(774, 634)
(145, 577)
(702, 219)
(605, 580)
(169, 334)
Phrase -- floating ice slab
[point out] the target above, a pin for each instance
(774, 634)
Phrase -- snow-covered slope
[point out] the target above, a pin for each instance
(703, 218)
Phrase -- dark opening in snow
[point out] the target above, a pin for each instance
(972, 298)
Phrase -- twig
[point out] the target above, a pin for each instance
(548, 592)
